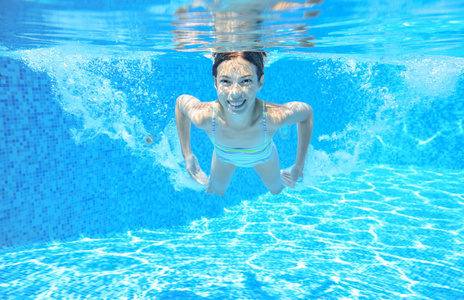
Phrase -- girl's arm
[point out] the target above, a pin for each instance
(302, 114)
(189, 109)
(304, 129)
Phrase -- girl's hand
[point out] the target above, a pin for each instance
(291, 178)
(193, 168)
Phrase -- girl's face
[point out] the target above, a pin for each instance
(237, 85)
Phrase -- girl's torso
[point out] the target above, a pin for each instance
(255, 134)
(244, 156)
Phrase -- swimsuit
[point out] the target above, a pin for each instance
(248, 157)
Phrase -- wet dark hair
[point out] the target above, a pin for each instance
(256, 58)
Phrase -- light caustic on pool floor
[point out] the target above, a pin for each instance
(382, 233)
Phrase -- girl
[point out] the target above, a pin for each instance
(241, 126)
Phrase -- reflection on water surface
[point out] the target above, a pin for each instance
(337, 26)
(252, 25)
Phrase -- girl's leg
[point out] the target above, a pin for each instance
(269, 172)
(221, 174)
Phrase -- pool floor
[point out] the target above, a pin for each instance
(380, 233)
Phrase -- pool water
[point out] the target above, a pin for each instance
(90, 211)
(383, 233)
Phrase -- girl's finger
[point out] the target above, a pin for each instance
(286, 179)
(287, 184)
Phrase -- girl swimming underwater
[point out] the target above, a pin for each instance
(241, 126)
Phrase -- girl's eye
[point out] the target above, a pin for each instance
(247, 81)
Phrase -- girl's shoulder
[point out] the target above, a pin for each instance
(285, 114)
(201, 114)
(276, 112)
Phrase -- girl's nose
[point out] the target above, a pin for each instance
(236, 92)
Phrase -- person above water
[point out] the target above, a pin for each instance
(241, 126)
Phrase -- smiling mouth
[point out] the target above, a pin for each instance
(236, 104)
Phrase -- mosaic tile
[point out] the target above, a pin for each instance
(54, 188)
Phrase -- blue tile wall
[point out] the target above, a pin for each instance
(422, 126)
(54, 189)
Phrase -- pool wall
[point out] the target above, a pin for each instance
(53, 188)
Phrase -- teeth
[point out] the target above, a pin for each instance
(235, 104)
